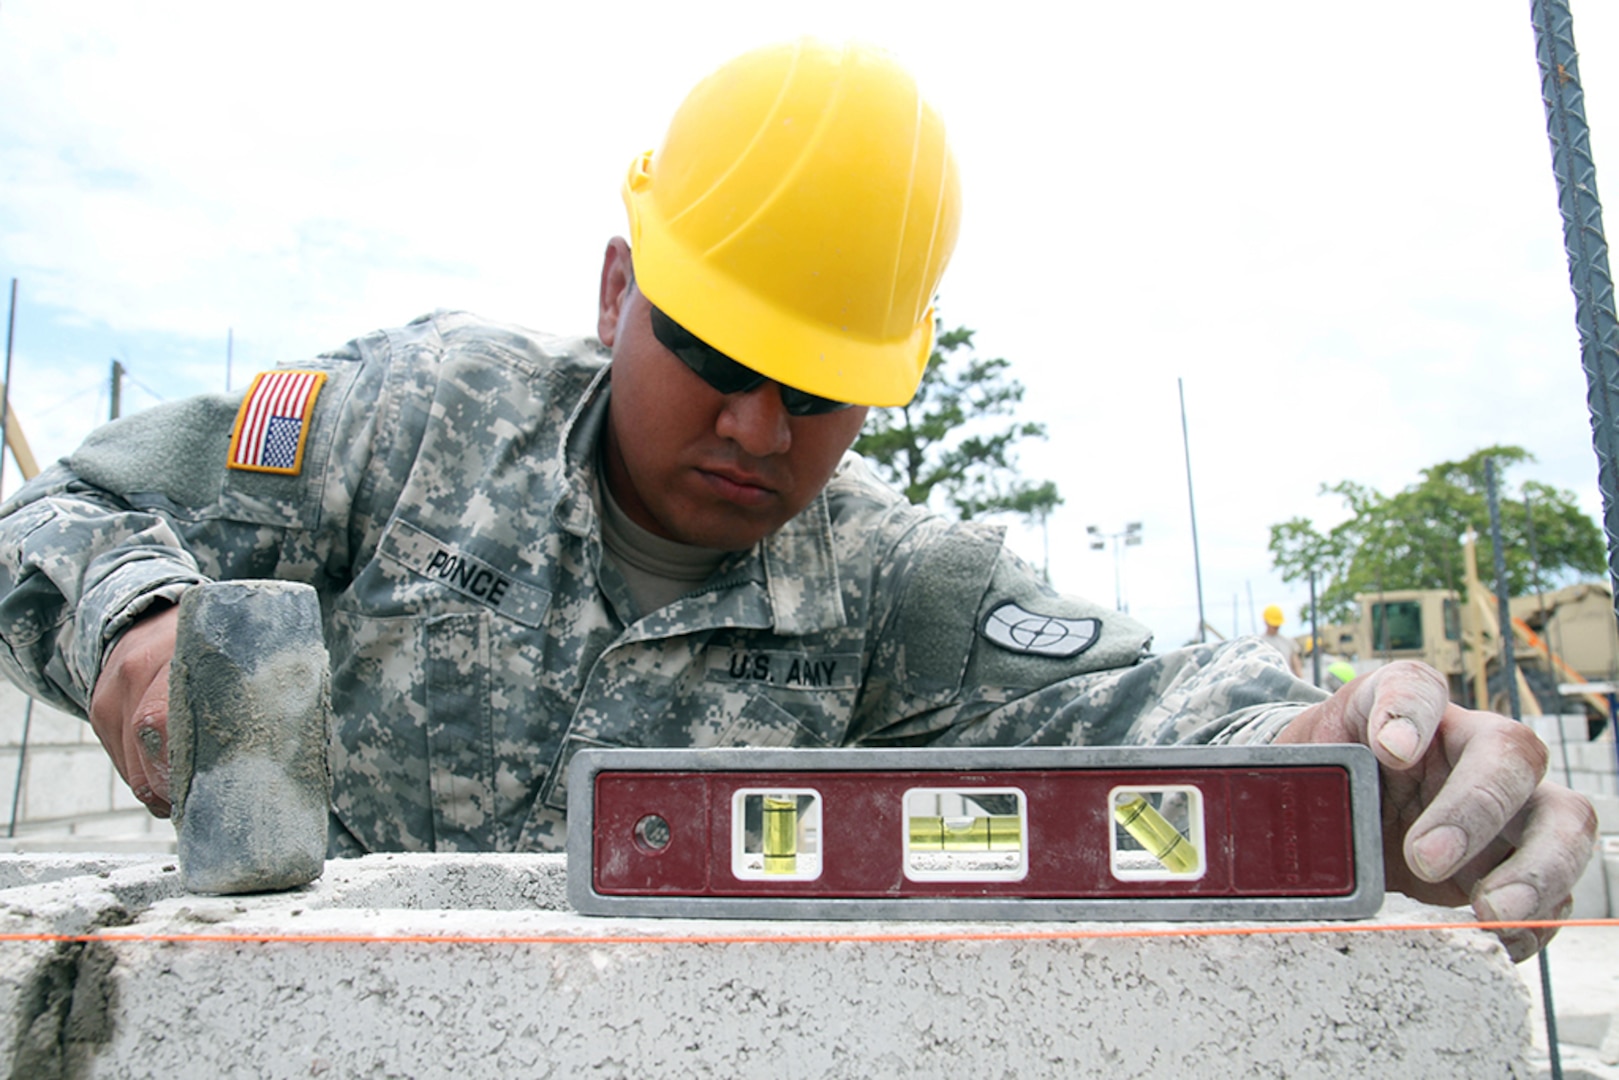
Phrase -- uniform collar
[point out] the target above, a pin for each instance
(575, 509)
(801, 572)
(787, 582)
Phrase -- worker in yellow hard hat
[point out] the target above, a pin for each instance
(1283, 644)
(526, 544)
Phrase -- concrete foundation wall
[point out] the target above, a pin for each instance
(633, 1001)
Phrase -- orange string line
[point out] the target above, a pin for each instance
(112, 936)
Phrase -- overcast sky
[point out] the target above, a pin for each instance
(1336, 222)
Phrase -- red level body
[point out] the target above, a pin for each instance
(1152, 833)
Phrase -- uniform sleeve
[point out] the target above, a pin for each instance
(985, 654)
(147, 507)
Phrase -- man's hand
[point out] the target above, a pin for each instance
(1466, 816)
(129, 708)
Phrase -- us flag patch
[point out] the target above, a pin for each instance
(274, 421)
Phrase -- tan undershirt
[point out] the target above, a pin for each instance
(656, 570)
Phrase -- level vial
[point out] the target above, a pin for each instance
(1153, 832)
(996, 832)
(781, 834)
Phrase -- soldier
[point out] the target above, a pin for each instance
(1285, 646)
(526, 545)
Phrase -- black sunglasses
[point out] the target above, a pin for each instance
(726, 375)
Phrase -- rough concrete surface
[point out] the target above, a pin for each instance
(249, 719)
(1441, 1003)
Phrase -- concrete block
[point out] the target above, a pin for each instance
(1602, 756)
(1589, 783)
(1591, 899)
(469, 965)
(17, 871)
(1596, 757)
(64, 781)
(123, 798)
(1569, 728)
(8, 781)
(12, 703)
(1607, 808)
(121, 824)
(1583, 1028)
(46, 726)
(1610, 863)
(60, 844)
(1560, 761)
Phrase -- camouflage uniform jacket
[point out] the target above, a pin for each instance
(445, 510)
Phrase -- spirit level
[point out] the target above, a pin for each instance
(1262, 832)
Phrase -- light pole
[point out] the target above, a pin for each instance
(1131, 535)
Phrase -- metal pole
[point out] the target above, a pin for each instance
(1118, 574)
(1509, 659)
(1586, 246)
(1045, 546)
(1197, 563)
(1509, 672)
(1546, 629)
(22, 754)
(5, 388)
(1592, 283)
(117, 391)
(1315, 635)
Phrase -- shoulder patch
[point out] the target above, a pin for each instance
(273, 422)
(1017, 629)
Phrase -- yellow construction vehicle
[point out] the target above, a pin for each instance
(1562, 639)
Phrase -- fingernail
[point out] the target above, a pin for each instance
(1520, 944)
(1399, 737)
(1437, 852)
(1509, 903)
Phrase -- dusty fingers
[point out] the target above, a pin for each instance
(1487, 769)
(1403, 705)
(1557, 831)
(1395, 710)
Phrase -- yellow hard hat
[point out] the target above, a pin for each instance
(1273, 616)
(798, 218)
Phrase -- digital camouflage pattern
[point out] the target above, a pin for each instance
(446, 513)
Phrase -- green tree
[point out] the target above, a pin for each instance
(1412, 539)
(950, 440)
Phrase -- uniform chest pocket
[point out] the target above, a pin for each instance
(761, 722)
(442, 729)
(413, 764)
